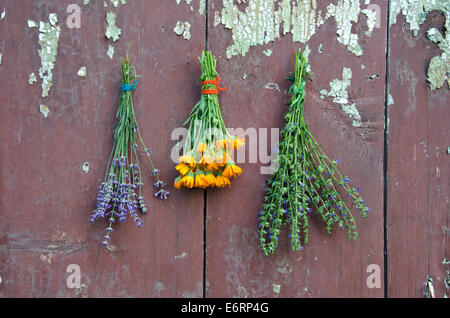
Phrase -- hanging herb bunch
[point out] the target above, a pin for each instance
(305, 179)
(120, 194)
(208, 149)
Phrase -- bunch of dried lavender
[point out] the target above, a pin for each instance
(305, 178)
(120, 195)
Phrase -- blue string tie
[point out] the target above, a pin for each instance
(128, 87)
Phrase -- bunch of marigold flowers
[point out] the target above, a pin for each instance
(120, 194)
(207, 159)
(304, 179)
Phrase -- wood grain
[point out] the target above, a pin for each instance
(418, 169)
(46, 199)
(330, 266)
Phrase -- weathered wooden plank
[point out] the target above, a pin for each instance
(46, 199)
(330, 266)
(418, 169)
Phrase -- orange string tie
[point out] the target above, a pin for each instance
(215, 82)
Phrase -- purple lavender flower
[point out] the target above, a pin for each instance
(159, 184)
(147, 152)
(155, 172)
(162, 194)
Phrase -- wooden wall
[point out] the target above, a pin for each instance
(204, 244)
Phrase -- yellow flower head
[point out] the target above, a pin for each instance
(231, 170)
(239, 142)
(187, 159)
(213, 166)
(183, 168)
(222, 181)
(222, 159)
(205, 160)
(177, 183)
(201, 147)
(199, 180)
(209, 179)
(221, 144)
(225, 144)
(188, 180)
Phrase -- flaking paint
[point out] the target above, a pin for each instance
(49, 33)
(415, 12)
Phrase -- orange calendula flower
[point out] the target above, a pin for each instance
(177, 183)
(231, 170)
(213, 166)
(205, 160)
(187, 159)
(188, 180)
(224, 144)
(199, 181)
(222, 158)
(183, 168)
(210, 179)
(238, 142)
(222, 181)
(201, 147)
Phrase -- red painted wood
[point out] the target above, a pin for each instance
(46, 199)
(330, 266)
(418, 179)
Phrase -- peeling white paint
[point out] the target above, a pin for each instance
(112, 31)
(260, 23)
(390, 100)
(181, 256)
(264, 21)
(49, 34)
(183, 28)
(32, 24)
(345, 13)
(110, 52)
(1, 58)
(305, 19)
(3, 15)
(338, 90)
(159, 287)
(32, 79)
(85, 167)
(371, 20)
(116, 3)
(202, 6)
(276, 288)
(44, 110)
(415, 12)
(267, 52)
(82, 71)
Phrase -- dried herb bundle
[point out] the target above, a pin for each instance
(305, 178)
(207, 153)
(120, 195)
